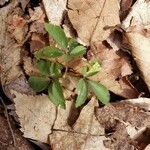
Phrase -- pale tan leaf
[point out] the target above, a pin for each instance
(87, 123)
(76, 141)
(36, 115)
(54, 10)
(90, 17)
(138, 29)
(147, 147)
(37, 14)
(139, 15)
(61, 122)
(29, 67)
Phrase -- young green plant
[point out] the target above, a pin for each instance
(50, 71)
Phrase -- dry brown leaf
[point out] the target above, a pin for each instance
(114, 70)
(137, 24)
(12, 76)
(37, 18)
(115, 40)
(37, 42)
(18, 27)
(24, 3)
(126, 121)
(61, 122)
(36, 115)
(76, 141)
(55, 10)
(87, 123)
(37, 14)
(125, 6)
(3, 2)
(90, 17)
(86, 132)
(29, 67)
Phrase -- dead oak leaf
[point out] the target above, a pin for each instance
(90, 17)
(36, 115)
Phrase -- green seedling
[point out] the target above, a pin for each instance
(51, 71)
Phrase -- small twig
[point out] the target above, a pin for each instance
(9, 124)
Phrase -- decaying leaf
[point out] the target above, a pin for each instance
(36, 115)
(12, 76)
(90, 17)
(18, 27)
(55, 10)
(126, 121)
(137, 25)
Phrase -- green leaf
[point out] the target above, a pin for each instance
(57, 92)
(72, 44)
(82, 91)
(91, 69)
(55, 70)
(100, 91)
(51, 96)
(44, 67)
(48, 52)
(78, 51)
(67, 57)
(38, 84)
(57, 33)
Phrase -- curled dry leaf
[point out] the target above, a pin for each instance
(137, 25)
(55, 10)
(126, 121)
(90, 17)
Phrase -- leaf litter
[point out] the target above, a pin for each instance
(91, 126)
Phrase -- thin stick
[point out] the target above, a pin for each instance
(9, 124)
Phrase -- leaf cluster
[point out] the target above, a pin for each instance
(52, 71)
